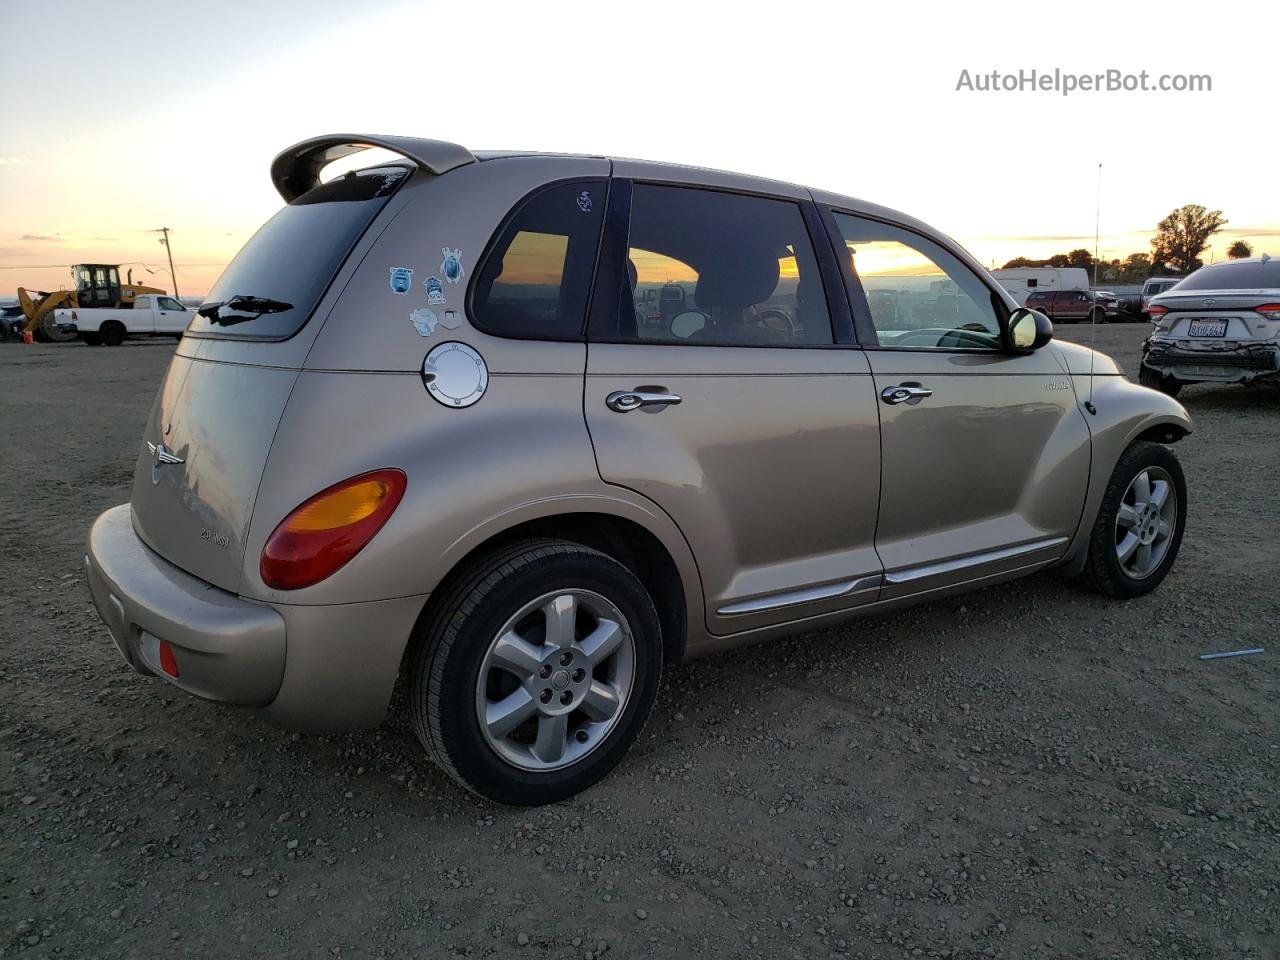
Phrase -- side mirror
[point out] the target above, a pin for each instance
(1028, 330)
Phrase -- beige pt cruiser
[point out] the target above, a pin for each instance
(521, 429)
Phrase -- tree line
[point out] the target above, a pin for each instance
(1179, 240)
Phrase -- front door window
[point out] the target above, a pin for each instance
(920, 296)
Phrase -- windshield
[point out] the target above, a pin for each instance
(294, 256)
(1234, 276)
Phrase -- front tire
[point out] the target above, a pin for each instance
(1098, 316)
(1136, 536)
(535, 672)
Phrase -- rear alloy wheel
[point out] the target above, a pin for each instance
(1157, 380)
(1140, 524)
(112, 333)
(536, 672)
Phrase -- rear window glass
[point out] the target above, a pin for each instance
(288, 264)
(1234, 276)
(535, 281)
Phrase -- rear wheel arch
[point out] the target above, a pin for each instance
(623, 539)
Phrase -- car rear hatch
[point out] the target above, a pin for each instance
(212, 426)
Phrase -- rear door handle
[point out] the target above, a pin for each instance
(624, 401)
(908, 393)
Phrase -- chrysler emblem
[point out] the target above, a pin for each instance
(162, 453)
(163, 456)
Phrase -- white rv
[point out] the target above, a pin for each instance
(1024, 281)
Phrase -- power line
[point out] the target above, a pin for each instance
(57, 266)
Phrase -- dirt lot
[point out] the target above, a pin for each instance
(1028, 771)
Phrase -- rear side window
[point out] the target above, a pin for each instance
(288, 264)
(721, 269)
(536, 278)
(1234, 276)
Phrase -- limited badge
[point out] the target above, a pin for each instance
(451, 266)
(435, 290)
(424, 321)
(401, 280)
(584, 202)
(449, 320)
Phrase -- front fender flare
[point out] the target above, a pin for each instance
(1125, 413)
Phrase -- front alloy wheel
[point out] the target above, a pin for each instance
(1145, 521)
(1136, 535)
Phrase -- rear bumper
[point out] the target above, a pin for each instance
(1246, 362)
(227, 649)
(313, 668)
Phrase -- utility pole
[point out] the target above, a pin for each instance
(1097, 220)
(169, 250)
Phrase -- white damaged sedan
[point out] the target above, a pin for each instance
(1219, 325)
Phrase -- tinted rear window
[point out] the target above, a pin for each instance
(1234, 276)
(535, 280)
(296, 253)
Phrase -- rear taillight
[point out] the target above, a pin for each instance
(1156, 312)
(1269, 310)
(168, 662)
(325, 532)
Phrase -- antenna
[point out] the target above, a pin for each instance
(1093, 333)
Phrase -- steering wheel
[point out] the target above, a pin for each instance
(944, 337)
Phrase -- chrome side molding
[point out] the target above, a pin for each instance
(909, 574)
(844, 588)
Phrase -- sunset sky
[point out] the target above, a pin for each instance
(118, 119)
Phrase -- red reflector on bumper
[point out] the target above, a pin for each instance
(168, 663)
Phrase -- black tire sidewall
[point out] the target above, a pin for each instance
(112, 334)
(1107, 573)
(457, 731)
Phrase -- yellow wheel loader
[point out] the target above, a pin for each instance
(96, 285)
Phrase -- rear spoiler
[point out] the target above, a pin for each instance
(297, 169)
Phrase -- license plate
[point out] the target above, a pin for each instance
(1208, 328)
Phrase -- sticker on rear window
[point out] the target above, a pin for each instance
(401, 280)
(584, 202)
(449, 320)
(451, 267)
(424, 321)
(435, 290)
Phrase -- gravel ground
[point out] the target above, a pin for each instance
(1028, 771)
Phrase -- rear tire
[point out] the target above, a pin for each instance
(1136, 536)
(1157, 380)
(92, 339)
(576, 706)
(112, 333)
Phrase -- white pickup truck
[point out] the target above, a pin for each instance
(151, 315)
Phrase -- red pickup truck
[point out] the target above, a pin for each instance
(1074, 306)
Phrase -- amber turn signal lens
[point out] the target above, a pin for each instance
(321, 535)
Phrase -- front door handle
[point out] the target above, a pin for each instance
(908, 393)
(624, 401)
